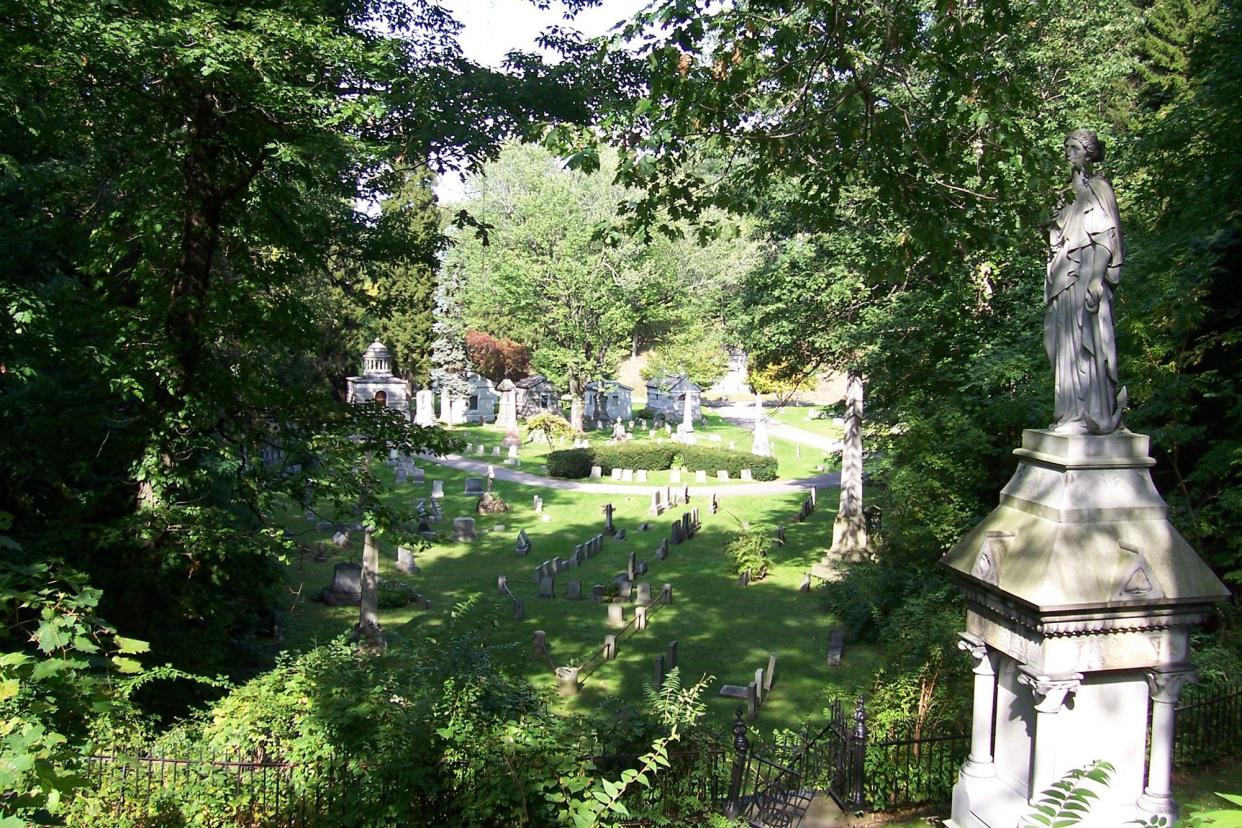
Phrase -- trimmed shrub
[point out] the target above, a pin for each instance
(571, 463)
(642, 455)
(711, 460)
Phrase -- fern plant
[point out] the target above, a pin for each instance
(1069, 799)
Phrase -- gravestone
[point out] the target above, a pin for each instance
(399, 476)
(674, 533)
(405, 560)
(324, 525)
(666, 594)
(670, 655)
(644, 526)
(418, 475)
(805, 586)
(616, 475)
(620, 534)
(759, 683)
(539, 643)
(474, 486)
(513, 452)
(523, 546)
(835, 646)
(519, 609)
(641, 475)
(640, 617)
(747, 476)
(769, 675)
(616, 615)
(685, 494)
(547, 587)
(573, 590)
(538, 504)
(644, 593)
(502, 584)
(346, 586)
(424, 412)
(609, 529)
(341, 540)
(610, 645)
(631, 563)
(597, 592)
(596, 472)
(722, 474)
(700, 476)
(744, 578)
(641, 569)
(437, 488)
(656, 507)
(674, 475)
(463, 529)
(625, 588)
(662, 549)
(627, 475)
(657, 667)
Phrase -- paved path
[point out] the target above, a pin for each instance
(743, 416)
(771, 487)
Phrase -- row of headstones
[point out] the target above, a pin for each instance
(666, 498)
(674, 475)
(409, 474)
(754, 692)
(642, 613)
(684, 529)
(480, 449)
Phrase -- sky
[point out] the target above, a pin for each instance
(493, 27)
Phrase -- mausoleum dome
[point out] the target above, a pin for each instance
(377, 359)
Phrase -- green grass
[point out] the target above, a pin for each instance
(795, 462)
(795, 416)
(722, 629)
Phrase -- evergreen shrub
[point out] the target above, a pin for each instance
(571, 463)
(711, 460)
(639, 455)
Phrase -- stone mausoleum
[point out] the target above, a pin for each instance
(378, 384)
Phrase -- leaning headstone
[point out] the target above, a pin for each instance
(474, 486)
(759, 684)
(769, 675)
(596, 472)
(641, 569)
(620, 534)
(437, 488)
(835, 646)
(523, 546)
(609, 529)
(658, 670)
(700, 476)
(463, 529)
(813, 496)
(631, 563)
(805, 586)
(547, 586)
(662, 549)
(573, 590)
(405, 560)
(616, 615)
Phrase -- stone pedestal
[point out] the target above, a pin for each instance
(1081, 597)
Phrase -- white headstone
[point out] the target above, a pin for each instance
(425, 408)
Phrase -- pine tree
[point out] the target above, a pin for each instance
(448, 354)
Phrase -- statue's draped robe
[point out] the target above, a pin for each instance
(1085, 241)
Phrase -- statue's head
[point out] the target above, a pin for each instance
(1092, 148)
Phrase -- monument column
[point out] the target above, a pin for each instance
(980, 763)
(1050, 694)
(1165, 688)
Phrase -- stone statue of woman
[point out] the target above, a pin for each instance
(1085, 254)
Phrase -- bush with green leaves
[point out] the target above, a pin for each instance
(711, 460)
(748, 551)
(550, 428)
(641, 454)
(570, 463)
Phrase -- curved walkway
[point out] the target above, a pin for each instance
(511, 475)
(743, 416)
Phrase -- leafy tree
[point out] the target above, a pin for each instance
(542, 277)
(495, 358)
(448, 353)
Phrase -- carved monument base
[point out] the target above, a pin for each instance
(1081, 597)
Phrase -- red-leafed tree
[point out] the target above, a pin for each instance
(497, 358)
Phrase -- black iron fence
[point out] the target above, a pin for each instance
(1209, 725)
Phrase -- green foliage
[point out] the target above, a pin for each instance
(711, 460)
(1068, 801)
(637, 454)
(748, 552)
(571, 463)
(552, 429)
(699, 352)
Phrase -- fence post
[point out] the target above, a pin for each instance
(858, 756)
(741, 746)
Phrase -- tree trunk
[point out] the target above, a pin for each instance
(368, 607)
(849, 533)
(575, 411)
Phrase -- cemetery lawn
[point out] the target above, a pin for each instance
(794, 462)
(722, 629)
(795, 416)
